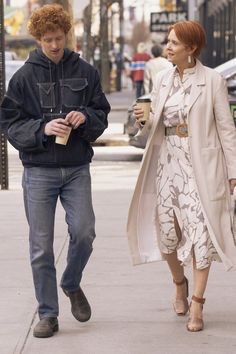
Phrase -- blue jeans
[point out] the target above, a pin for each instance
(42, 187)
(139, 88)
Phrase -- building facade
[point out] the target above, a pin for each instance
(219, 20)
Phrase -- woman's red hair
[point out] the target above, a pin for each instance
(191, 34)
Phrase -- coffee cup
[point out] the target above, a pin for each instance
(63, 140)
(145, 104)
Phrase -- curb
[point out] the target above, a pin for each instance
(119, 109)
(114, 140)
(117, 153)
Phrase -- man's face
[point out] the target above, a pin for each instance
(53, 44)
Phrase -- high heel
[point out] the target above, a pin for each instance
(181, 306)
(195, 324)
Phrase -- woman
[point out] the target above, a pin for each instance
(181, 208)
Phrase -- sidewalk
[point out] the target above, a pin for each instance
(132, 311)
(120, 101)
(113, 145)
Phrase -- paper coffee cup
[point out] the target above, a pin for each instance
(63, 140)
(145, 104)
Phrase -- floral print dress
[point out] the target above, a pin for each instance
(176, 189)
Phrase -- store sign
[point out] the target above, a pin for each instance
(160, 21)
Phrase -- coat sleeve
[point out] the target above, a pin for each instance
(225, 126)
(23, 132)
(96, 113)
(147, 79)
(155, 93)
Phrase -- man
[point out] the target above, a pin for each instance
(53, 92)
(138, 63)
(153, 66)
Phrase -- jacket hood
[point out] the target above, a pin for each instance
(37, 57)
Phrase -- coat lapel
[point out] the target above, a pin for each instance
(164, 91)
(197, 84)
(166, 85)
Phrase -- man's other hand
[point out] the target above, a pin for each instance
(75, 119)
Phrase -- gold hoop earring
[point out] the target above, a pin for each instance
(189, 59)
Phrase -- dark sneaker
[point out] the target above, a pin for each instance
(46, 327)
(80, 307)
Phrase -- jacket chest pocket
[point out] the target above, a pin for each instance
(47, 94)
(73, 92)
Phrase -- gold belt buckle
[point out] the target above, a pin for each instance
(182, 130)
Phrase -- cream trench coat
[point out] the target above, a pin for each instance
(212, 139)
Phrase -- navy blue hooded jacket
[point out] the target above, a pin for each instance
(41, 88)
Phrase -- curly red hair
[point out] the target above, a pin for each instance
(48, 18)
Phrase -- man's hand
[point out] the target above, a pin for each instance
(75, 119)
(232, 185)
(58, 127)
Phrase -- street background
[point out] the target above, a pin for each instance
(131, 306)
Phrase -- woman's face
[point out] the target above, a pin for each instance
(177, 52)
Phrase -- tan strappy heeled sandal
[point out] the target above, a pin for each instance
(181, 306)
(195, 324)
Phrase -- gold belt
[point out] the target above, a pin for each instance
(181, 130)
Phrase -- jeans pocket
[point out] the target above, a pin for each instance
(47, 94)
(73, 92)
